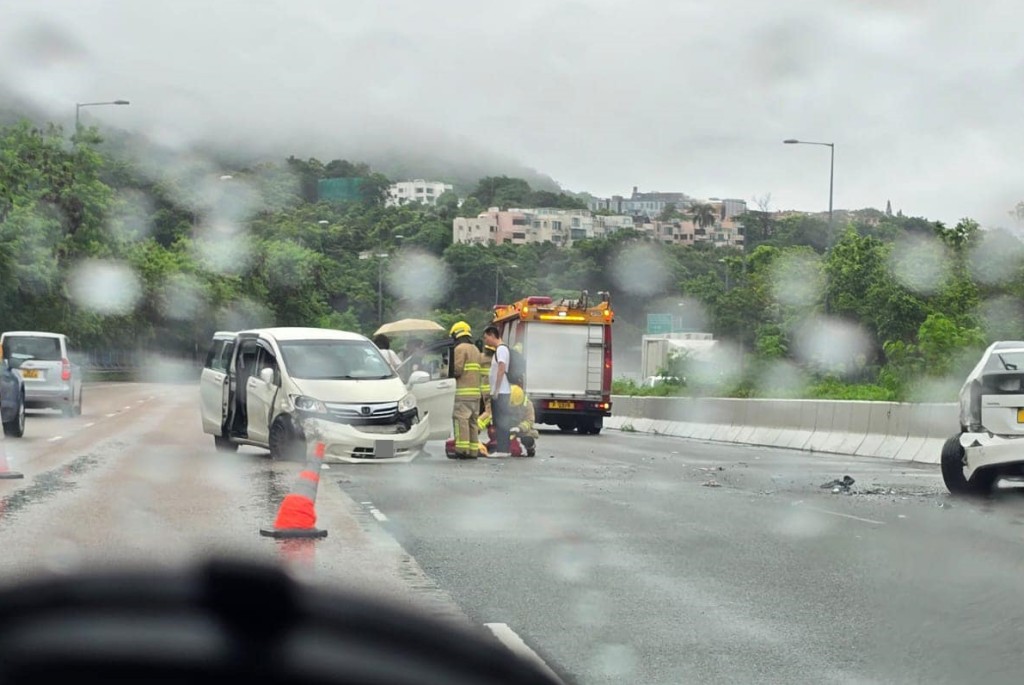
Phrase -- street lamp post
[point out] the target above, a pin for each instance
(80, 105)
(831, 170)
(497, 274)
(380, 282)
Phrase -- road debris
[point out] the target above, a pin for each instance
(837, 486)
(711, 484)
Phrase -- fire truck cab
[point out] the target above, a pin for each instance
(566, 348)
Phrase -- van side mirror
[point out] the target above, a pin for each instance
(267, 375)
(418, 377)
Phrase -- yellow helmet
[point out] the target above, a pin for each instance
(460, 329)
(518, 396)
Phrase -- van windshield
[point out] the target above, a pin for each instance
(334, 360)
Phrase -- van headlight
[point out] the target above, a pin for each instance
(407, 403)
(304, 403)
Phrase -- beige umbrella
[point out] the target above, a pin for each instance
(409, 326)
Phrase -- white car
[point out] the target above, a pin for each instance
(278, 388)
(45, 363)
(990, 444)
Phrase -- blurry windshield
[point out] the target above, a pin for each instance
(744, 256)
(334, 360)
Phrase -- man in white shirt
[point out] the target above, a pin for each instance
(383, 344)
(501, 392)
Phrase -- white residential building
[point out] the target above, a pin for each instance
(424, 192)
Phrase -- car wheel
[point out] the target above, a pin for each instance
(69, 409)
(78, 406)
(15, 428)
(287, 443)
(224, 444)
(952, 463)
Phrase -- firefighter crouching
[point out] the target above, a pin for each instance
(466, 370)
(523, 419)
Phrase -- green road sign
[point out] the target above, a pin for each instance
(659, 323)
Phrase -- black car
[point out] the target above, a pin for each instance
(12, 401)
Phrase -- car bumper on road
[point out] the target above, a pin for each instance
(46, 395)
(984, 450)
(350, 444)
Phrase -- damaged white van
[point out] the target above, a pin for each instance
(990, 444)
(273, 387)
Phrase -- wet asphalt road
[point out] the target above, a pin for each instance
(615, 561)
(608, 555)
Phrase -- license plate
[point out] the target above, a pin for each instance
(30, 373)
(1020, 416)
(561, 405)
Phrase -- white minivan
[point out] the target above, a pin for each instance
(48, 365)
(276, 388)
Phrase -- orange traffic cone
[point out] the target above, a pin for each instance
(5, 472)
(296, 518)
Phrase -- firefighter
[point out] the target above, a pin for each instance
(523, 419)
(466, 370)
(486, 357)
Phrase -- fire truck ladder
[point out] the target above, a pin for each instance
(595, 359)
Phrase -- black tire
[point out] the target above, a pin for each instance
(68, 409)
(952, 464)
(15, 428)
(590, 426)
(566, 426)
(224, 444)
(78, 405)
(287, 443)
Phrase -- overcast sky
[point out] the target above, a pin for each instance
(923, 100)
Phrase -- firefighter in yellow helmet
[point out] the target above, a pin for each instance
(466, 370)
(523, 418)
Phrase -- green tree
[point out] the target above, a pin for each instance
(669, 213)
(703, 215)
(502, 191)
(471, 208)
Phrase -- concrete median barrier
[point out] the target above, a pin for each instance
(822, 426)
(889, 430)
(805, 413)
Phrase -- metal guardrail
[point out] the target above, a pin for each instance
(139, 365)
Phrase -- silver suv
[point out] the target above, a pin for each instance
(43, 361)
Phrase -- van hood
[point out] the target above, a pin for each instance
(378, 390)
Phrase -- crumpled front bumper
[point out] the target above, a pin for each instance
(985, 450)
(349, 444)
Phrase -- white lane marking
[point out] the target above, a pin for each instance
(845, 516)
(139, 401)
(90, 424)
(56, 438)
(128, 406)
(378, 514)
(366, 502)
(111, 414)
(515, 644)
